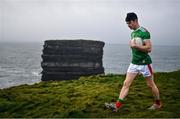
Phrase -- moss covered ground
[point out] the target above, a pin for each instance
(86, 97)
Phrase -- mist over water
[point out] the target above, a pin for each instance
(20, 62)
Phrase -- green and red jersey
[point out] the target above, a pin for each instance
(139, 57)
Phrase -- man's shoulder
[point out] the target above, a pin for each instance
(142, 29)
(145, 34)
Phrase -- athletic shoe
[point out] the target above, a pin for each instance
(155, 106)
(113, 106)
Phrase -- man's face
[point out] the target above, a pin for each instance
(132, 24)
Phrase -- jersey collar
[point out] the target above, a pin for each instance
(138, 28)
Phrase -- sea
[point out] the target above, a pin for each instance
(20, 63)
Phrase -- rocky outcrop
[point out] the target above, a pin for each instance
(70, 59)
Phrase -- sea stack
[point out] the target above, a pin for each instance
(70, 59)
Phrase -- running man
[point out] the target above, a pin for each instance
(141, 63)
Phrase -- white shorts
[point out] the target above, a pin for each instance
(145, 70)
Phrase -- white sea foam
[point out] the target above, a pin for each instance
(36, 73)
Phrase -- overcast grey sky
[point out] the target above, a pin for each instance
(39, 20)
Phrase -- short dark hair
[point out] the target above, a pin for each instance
(131, 16)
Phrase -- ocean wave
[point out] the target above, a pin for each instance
(3, 75)
(36, 73)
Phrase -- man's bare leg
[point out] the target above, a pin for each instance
(127, 82)
(125, 89)
(123, 93)
(155, 92)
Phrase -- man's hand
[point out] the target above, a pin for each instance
(146, 47)
(132, 44)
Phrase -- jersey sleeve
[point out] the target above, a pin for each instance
(146, 36)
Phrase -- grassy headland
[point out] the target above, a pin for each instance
(86, 97)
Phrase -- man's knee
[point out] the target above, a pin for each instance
(150, 84)
(126, 84)
(129, 79)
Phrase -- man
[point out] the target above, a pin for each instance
(141, 63)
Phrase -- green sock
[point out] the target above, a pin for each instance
(120, 100)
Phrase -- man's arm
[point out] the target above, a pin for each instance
(146, 47)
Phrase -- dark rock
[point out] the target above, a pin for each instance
(70, 59)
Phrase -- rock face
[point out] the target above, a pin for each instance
(70, 59)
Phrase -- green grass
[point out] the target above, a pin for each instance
(86, 97)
